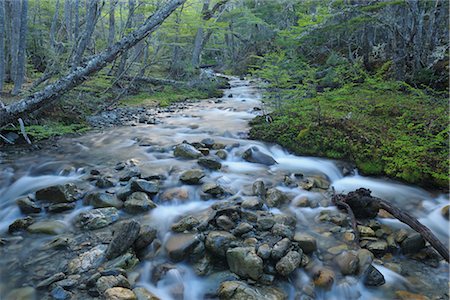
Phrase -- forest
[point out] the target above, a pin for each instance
(224, 149)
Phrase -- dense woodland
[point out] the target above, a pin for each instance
(331, 70)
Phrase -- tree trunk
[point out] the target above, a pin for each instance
(53, 26)
(14, 39)
(2, 44)
(68, 19)
(76, 25)
(129, 23)
(91, 19)
(112, 22)
(73, 79)
(21, 56)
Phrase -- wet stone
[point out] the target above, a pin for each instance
(101, 200)
(141, 185)
(283, 231)
(104, 182)
(20, 224)
(90, 259)
(413, 243)
(264, 251)
(252, 203)
(275, 198)
(120, 293)
(254, 155)
(185, 224)
(143, 294)
(106, 282)
(222, 154)
(373, 277)
(265, 222)
(213, 189)
(125, 235)
(280, 248)
(225, 223)
(244, 262)
(138, 202)
(324, 278)
(47, 227)
(146, 236)
(192, 176)
(27, 206)
(186, 151)
(46, 282)
(238, 290)
(179, 246)
(348, 262)
(209, 163)
(218, 242)
(97, 218)
(58, 193)
(288, 263)
(306, 242)
(243, 228)
(61, 207)
(58, 293)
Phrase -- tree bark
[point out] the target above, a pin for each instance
(68, 19)
(112, 22)
(53, 26)
(80, 74)
(91, 20)
(14, 38)
(129, 23)
(21, 55)
(76, 25)
(2, 44)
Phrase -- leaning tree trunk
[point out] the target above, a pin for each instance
(80, 74)
(2, 44)
(129, 23)
(21, 57)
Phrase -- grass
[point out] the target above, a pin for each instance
(51, 129)
(384, 127)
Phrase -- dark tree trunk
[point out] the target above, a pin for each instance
(21, 55)
(80, 74)
(2, 44)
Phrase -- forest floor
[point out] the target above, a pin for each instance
(384, 127)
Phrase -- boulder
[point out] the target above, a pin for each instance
(20, 224)
(288, 263)
(275, 198)
(97, 218)
(209, 163)
(144, 294)
(176, 193)
(27, 206)
(238, 290)
(141, 185)
(179, 246)
(225, 223)
(90, 259)
(125, 234)
(120, 293)
(60, 207)
(192, 176)
(146, 236)
(259, 189)
(222, 154)
(101, 200)
(104, 182)
(208, 142)
(306, 242)
(280, 248)
(57, 193)
(373, 277)
(185, 224)
(445, 211)
(348, 262)
(186, 151)
(218, 242)
(106, 282)
(254, 155)
(138, 202)
(244, 262)
(47, 227)
(213, 189)
(324, 278)
(413, 244)
(252, 203)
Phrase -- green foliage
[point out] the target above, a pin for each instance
(385, 127)
(52, 129)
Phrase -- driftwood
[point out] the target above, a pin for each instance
(51, 92)
(360, 204)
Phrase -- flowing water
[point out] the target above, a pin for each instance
(226, 121)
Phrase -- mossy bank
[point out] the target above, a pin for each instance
(384, 127)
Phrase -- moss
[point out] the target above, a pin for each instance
(385, 127)
(51, 129)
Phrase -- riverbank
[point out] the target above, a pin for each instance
(384, 128)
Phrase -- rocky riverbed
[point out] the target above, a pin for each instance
(186, 208)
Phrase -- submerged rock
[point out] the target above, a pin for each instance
(20, 224)
(212, 188)
(47, 227)
(101, 200)
(254, 155)
(141, 185)
(209, 163)
(348, 262)
(218, 242)
(288, 263)
(413, 243)
(179, 246)
(275, 198)
(306, 242)
(27, 206)
(324, 278)
(238, 290)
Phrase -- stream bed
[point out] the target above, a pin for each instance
(194, 218)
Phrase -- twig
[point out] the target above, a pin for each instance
(6, 139)
(24, 133)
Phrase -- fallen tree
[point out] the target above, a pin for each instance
(360, 204)
(51, 92)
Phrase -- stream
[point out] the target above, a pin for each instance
(26, 258)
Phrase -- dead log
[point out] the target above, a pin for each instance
(51, 92)
(365, 206)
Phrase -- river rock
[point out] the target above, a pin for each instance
(138, 202)
(212, 188)
(192, 176)
(186, 151)
(254, 155)
(218, 242)
(101, 200)
(283, 231)
(146, 236)
(288, 263)
(209, 163)
(373, 277)
(106, 282)
(405, 295)
(275, 198)
(401, 235)
(253, 203)
(348, 262)
(46, 282)
(265, 222)
(225, 223)
(58, 293)
(47, 227)
(365, 258)
(20, 224)
(413, 244)
(60, 207)
(141, 185)
(185, 224)
(378, 247)
(28, 206)
(238, 290)
(222, 154)
(208, 142)
(90, 259)
(306, 242)
(57, 193)
(264, 251)
(324, 278)
(366, 231)
(125, 234)
(119, 293)
(244, 262)
(126, 261)
(179, 246)
(97, 218)
(176, 193)
(130, 173)
(144, 294)
(280, 248)
(242, 228)
(24, 293)
(259, 189)
(445, 211)
(104, 182)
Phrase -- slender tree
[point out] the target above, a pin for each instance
(21, 55)
(2, 44)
